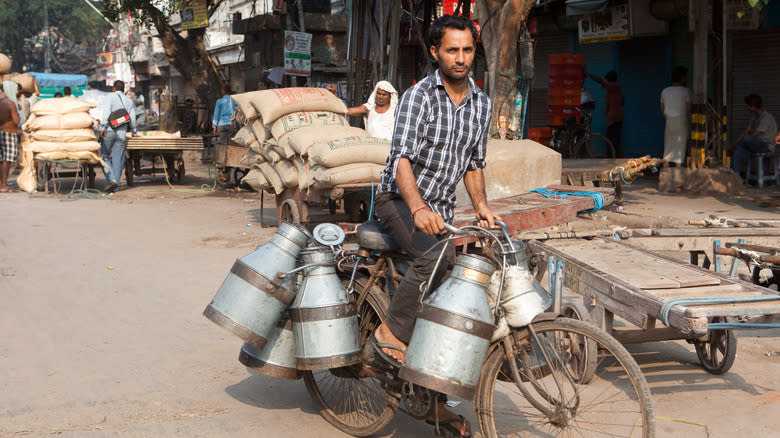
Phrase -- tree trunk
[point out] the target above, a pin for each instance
(502, 23)
(189, 56)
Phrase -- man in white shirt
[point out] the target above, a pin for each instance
(759, 137)
(676, 108)
(379, 111)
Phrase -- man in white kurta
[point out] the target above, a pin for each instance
(676, 108)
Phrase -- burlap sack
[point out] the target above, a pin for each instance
(272, 177)
(302, 119)
(284, 147)
(350, 150)
(245, 112)
(355, 173)
(251, 159)
(301, 139)
(273, 104)
(255, 179)
(76, 146)
(303, 171)
(287, 172)
(63, 135)
(270, 154)
(244, 136)
(88, 156)
(25, 80)
(58, 121)
(261, 132)
(27, 180)
(61, 105)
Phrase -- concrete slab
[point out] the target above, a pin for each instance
(515, 167)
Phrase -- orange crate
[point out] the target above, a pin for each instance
(553, 120)
(563, 100)
(566, 59)
(539, 132)
(562, 110)
(565, 71)
(565, 91)
(564, 82)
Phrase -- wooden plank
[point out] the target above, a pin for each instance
(628, 336)
(726, 232)
(724, 290)
(635, 268)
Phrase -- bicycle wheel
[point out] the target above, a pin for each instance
(351, 398)
(584, 147)
(551, 398)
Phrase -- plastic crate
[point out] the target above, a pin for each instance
(566, 58)
(564, 82)
(565, 71)
(565, 91)
(563, 100)
(539, 132)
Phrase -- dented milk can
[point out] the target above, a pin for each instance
(324, 317)
(453, 330)
(277, 358)
(251, 300)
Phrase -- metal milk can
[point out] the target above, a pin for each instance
(521, 297)
(453, 330)
(277, 358)
(324, 317)
(251, 300)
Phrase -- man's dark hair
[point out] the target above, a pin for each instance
(120, 86)
(679, 73)
(58, 94)
(611, 76)
(436, 31)
(67, 91)
(754, 100)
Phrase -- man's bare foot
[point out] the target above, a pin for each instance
(385, 336)
(450, 420)
(5, 189)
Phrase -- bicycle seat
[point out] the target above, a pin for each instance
(372, 235)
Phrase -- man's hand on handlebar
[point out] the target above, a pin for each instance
(486, 218)
(429, 222)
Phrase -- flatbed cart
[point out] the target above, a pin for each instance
(341, 203)
(168, 149)
(663, 298)
(227, 159)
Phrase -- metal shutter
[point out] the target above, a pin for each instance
(546, 45)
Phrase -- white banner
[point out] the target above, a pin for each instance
(297, 53)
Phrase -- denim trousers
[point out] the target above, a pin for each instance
(113, 149)
(397, 220)
(748, 145)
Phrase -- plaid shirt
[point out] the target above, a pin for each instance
(441, 141)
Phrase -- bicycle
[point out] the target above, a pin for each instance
(555, 376)
(575, 140)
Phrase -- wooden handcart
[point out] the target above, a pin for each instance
(662, 297)
(341, 203)
(227, 158)
(168, 149)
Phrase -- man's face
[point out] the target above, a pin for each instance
(382, 98)
(455, 54)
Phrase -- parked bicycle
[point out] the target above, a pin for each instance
(576, 140)
(550, 376)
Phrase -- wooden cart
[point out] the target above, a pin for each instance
(662, 297)
(342, 203)
(168, 149)
(227, 158)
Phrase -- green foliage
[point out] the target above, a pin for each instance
(140, 9)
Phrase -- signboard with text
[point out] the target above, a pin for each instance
(297, 53)
(612, 24)
(194, 14)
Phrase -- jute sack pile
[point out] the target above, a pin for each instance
(60, 125)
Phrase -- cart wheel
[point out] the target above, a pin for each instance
(237, 174)
(179, 171)
(290, 212)
(573, 307)
(223, 175)
(717, 354)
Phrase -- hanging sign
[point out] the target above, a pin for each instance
(612, 24)
(194, 14)
(297, 53)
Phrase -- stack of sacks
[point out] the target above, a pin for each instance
(299, 138)
(61, 126)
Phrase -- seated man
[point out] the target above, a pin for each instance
(759, 137)
(379, 111)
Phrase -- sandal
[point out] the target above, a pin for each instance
(448, 429)
(377, 350)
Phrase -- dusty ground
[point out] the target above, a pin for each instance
(103, 333)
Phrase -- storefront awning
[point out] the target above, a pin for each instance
(580, 7)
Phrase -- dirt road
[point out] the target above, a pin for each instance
(103, 333)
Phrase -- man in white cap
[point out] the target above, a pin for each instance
(379, 111)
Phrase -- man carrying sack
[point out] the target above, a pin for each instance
(118, 115)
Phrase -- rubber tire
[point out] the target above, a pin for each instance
(583, 148)
(379, 303)
(493, 364)
(574, 308)
(289, 212)
(728, 355)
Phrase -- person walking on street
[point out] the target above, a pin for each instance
(9, 145)
(114, 135)
(676, 108)
(440, 135)
(614, 107)
(223, 113)
(759, 136)
(379, 110)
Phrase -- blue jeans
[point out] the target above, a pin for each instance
(748, 145)
(113, 149)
